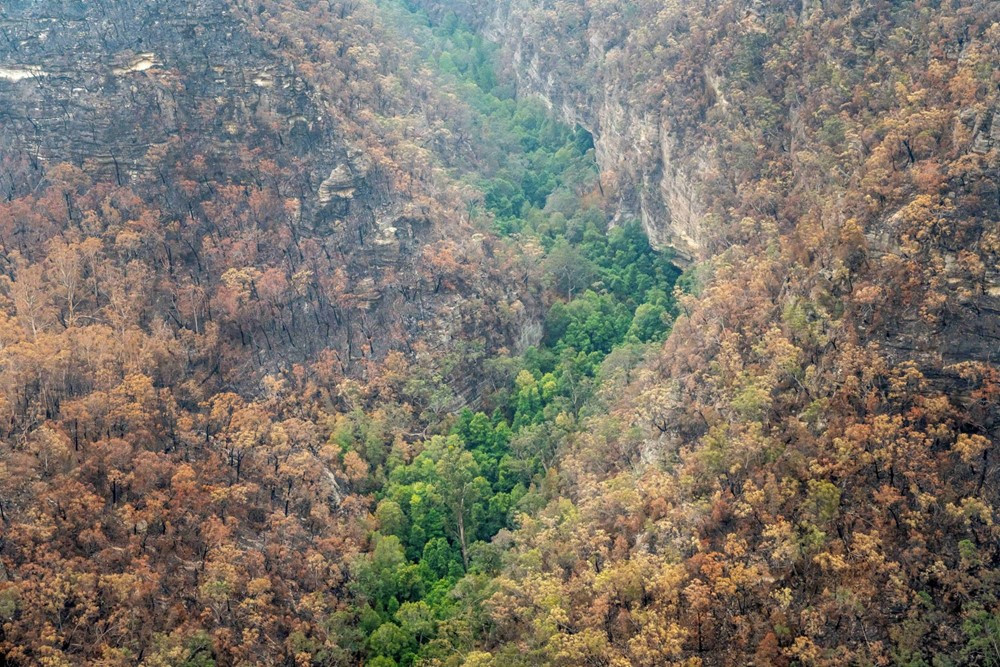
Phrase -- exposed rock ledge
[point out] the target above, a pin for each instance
(340, 184)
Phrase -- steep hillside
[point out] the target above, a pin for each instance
(240, 141)
(352, 332)
(710, 122)
(222, 222)
(256, 259)
(806, 472)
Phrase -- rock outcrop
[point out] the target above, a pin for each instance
(583, 76)
(691, 126)
(211, 110)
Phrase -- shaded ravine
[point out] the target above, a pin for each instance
(439, 514)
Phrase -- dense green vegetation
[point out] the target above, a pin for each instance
(419, 591)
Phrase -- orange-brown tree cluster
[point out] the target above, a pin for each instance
(178, 346)
(805, 474)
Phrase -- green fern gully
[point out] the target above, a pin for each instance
(419, 593)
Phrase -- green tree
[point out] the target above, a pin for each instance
(389, 640)
(462, 488)
(648, 323)
(568, 269)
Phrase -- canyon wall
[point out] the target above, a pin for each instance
(801, 443)
(578, 60)
(254, 158)
(707, 117)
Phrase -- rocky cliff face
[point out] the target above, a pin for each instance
(578, 61)
(833, 168)
(655, 178)
(703, 117)
(216, 115)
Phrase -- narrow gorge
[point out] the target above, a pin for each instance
(501, 333)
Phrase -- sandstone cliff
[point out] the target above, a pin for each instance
(704, 117)
(580, 62)
(832, 170)
(256, 161)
